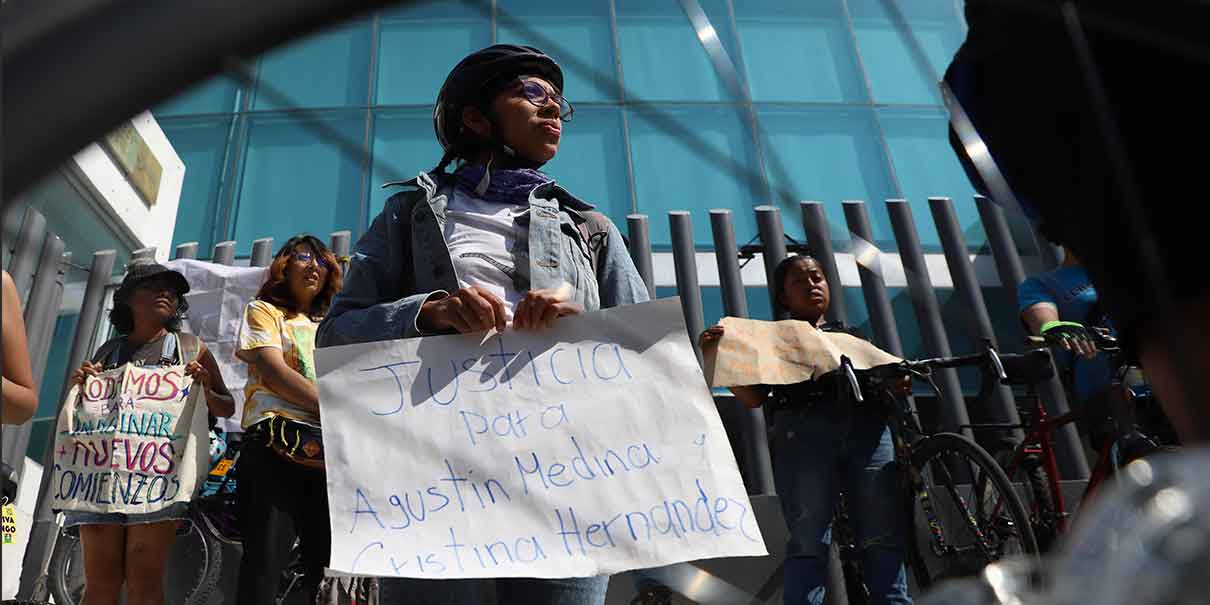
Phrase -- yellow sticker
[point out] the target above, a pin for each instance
(10, 523)
(222, 468)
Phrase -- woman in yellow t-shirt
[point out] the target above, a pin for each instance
(282, 492)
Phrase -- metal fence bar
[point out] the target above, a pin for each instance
(1051, 255)
(224, 253)
(873, 286)
(773, 242)
(42, 534)
(143, 254)
(341, 242)
(262, 252)
(187, 250)
(25, 254)
(40, 313)
(759, 471)
(819, 238)
(639, 229)
(684, 257)
(1072, 462)
(928, 315)
(966, 286)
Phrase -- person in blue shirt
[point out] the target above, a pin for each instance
(1062, 303)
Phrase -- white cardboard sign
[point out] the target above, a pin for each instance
(590, 448)
(131, 440)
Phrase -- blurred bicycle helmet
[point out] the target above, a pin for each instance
(473, 82)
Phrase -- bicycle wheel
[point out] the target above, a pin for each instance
(66, 572)
(192, 571)
(961, 536)
(1039, 504)
(194, 565)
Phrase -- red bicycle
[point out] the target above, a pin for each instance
(1032, 462)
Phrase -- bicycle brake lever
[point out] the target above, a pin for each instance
(847, 364)
(997, 365)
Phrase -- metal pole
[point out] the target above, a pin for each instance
(759, 471)
(815, 224)
(1051, 255)
(39, 312)
(873, 287)
(640, 249)
(684, 257)
(340, 242)
(187, 250)
(21, 267)
(41, 540)
(262, 252)
(224, 253)
(1072, 463)
(143, 255)
(957, 257)
(773, 240)
(928, 316)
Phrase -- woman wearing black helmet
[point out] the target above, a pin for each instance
(133, 548)
(494, 244)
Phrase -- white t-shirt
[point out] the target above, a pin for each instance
(487, 246)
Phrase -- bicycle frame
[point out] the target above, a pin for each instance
(1039, 440)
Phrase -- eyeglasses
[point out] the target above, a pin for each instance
(537, 94)
(307, 258)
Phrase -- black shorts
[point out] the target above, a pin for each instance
(1021, 84)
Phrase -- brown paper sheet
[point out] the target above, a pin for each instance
(783, 352)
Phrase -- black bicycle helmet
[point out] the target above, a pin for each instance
(479, 77)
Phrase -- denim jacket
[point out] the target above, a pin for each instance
(403, 260)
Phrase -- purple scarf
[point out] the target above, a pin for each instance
(504, 186)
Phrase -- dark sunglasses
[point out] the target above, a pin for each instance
(537, 94)
(307, 258)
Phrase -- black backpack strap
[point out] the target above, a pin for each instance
(593, 228)
(106, 352)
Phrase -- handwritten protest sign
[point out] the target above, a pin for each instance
(130, 440)
(590, 448)
(783, 352)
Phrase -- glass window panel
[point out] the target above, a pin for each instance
(576, 34)
(694, 158)
(419, 45)
(827, 155)
(798, 52)
(216, 95)
(296, 181)
(906, 46)
(201, 144)
(49, 395)
(404, 145)
(662, 58)
(40, 431)
(591, 162)
(926, 166)
(329, 69)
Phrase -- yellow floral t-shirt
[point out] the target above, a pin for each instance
(265, 325)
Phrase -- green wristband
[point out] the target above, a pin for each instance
(1056, 323)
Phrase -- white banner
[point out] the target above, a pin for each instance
(217, 296)
(130, 440)
(587, 449)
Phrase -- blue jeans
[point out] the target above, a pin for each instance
(559, 591)
(816, 454)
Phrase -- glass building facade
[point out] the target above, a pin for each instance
(837, 100)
